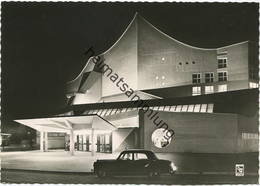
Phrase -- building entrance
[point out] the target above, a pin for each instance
(83, 143)
(104, 143)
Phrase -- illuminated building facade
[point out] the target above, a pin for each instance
(208, 96)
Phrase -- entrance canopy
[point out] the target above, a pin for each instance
(66, 124)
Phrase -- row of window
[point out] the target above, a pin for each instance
(175, 108)
(253, 85)
(249, 135)
(190, 108)
(222, 62)
(209, 77)
(208, 89)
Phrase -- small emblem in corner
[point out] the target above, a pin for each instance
(240, 169)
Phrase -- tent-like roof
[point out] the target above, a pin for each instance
(65, 124)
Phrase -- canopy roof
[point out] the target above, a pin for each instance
(65, 124)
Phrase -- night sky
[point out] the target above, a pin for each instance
(43, 44)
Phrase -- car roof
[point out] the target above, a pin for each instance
(137, 150)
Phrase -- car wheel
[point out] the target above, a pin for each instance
(101, 173)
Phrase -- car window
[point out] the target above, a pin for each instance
(140, 156)
(126, 156)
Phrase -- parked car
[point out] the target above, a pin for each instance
(134, 162)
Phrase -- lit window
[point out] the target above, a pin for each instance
(253, 85)
(203, 108)
(196, 78)
(210, 108)
(246, 135)
(103, 113)
(197, 108)
(222, 76)
(172, 108)
(99, 112)
(167, 108)
(209, 89)
(222, 88)
(156, 108)
(184, 108)
(151, 108)
(190, 108)
(118, 111)
(196, 91)
(178, 108)
(161, 108)
(108, 112)
(209, 77)
(113, 111)
(222, 62)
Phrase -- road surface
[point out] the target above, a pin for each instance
(19, 176)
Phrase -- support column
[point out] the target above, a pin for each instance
(42, 141)
(71, 142)
(92, 143)
(46, 141)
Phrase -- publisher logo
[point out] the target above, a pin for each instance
(240, 169)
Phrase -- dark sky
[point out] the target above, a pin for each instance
(43, 44)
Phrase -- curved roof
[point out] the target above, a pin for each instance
(171, 38)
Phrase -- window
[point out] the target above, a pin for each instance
(203, 108)
(126, 156)
(253, 85)
(222, 76)
(190, 108)
(167, 108)
(178, 108)
(184, 108)
(210, 108)
(197, 108)
(140, 156)
(209, 89)
(196, 78)
(172, 109)
(196, 91)
(222, 62)
(222, 88)
(249, 135)
(209, 77)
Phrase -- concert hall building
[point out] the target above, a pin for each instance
(208, 97)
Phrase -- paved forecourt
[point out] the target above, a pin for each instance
(187, 163)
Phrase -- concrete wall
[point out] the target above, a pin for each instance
(93, 94)
(248, 125)
(196, 132)
(122, 58)
(124, 138)
(237, 64)
(158, 55)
